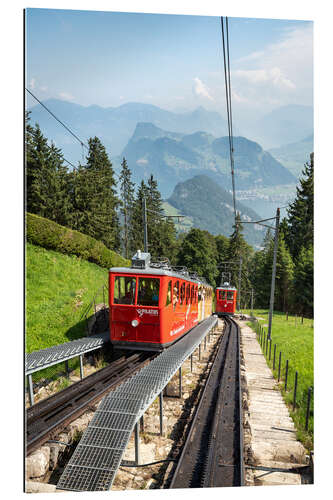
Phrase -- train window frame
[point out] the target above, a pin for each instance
(175, 293)
(182, 293)
(169, 294)
(188, 294)
(230, 296)
(150, 303)
(117, 279)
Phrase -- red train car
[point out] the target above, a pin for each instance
(152, 306)
(226, 297)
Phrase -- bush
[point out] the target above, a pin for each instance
(48, 234)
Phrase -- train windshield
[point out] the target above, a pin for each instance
(230, 296)
(148, 291)
(124, 290)
(222, 294)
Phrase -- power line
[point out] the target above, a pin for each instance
(227, 80)
(56, 118)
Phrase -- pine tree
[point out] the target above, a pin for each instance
(95, 200)
(300, 213)
(136, 228)
(199, 255)
(303, 282)
(127, 197)
(239, 249)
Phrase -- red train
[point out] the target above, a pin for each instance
(152, 305)
(226, 297)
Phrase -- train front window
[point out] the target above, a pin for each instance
(124, 290)
(222, 294)
(230, 296)
(148, 291)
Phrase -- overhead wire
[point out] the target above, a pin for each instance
(227, 80)
(58, 120)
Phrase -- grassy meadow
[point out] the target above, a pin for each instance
(58, 289)
(294, 339)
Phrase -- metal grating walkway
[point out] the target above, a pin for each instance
(95, 461)
(44, 358)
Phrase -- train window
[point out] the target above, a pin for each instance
(148, 291)
(168, 299)
(222, 295)
(182, 293)
(192, 295)
(124, 290)
(175, 294)
(188, 293)
(230, 295)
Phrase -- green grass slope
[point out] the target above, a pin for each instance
(58, 289)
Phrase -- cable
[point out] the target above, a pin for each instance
(54, 116)
(227, 81)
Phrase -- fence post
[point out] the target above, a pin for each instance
(279, 367)
(308, 408)
(161, 413)
(295, 390)
(31, 391)
(270, 349)
(266, 345)
(81, 366)
(274, 357)
(286, 381)
(191, 362)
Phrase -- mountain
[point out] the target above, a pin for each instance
(210, 207)
(284, 125)
(174, 157)
(293, 156)
(115, 125)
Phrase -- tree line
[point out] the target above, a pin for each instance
(91, 200)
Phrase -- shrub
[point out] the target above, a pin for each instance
(48, 234)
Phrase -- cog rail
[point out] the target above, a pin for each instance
(213, 452)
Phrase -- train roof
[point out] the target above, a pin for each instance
(226, 287)
(141, 264)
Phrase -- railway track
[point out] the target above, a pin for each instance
(212, 455)
(48, 417)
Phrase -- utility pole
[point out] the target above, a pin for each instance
(252, 302)
(145, 229)
(271, 302)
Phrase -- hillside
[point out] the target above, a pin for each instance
(58, 289)
(294, 155)
(115, 125)
(210, 207)
(173, 158)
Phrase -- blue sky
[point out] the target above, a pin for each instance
(172, 61)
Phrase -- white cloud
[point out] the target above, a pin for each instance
(280, 74)
(201, 90)
(32, 83)
(66, 96)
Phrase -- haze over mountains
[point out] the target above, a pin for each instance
(210, 207)
(172, 157)
(115, 125)
(188, 152)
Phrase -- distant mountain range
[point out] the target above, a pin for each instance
(284, 125)
(115, 125)
(174, 157)
(210, 207)
(293, 156)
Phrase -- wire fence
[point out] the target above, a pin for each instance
(297, 394)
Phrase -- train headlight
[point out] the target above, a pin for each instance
(134, 322)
